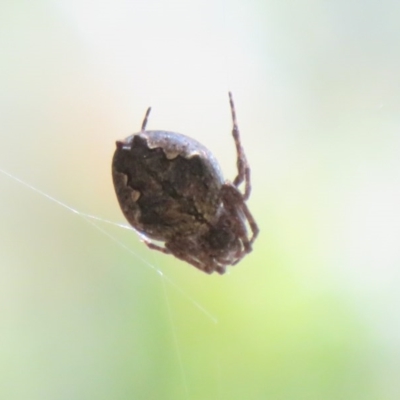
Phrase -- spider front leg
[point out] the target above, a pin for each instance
(242, 164)
(144, 123)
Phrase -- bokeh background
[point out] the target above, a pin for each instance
(88, 312)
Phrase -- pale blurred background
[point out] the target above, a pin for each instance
(88, 312)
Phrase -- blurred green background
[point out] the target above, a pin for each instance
(88, 312)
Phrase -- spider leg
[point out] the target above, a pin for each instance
(182, 255)
(252, 223)
(153, 246)
(232, 199)
(181, 249)
(242, 164)
(144, 123)
(187, 258)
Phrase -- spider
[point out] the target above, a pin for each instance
(171, 190)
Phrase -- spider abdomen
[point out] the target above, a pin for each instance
(168, 183)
